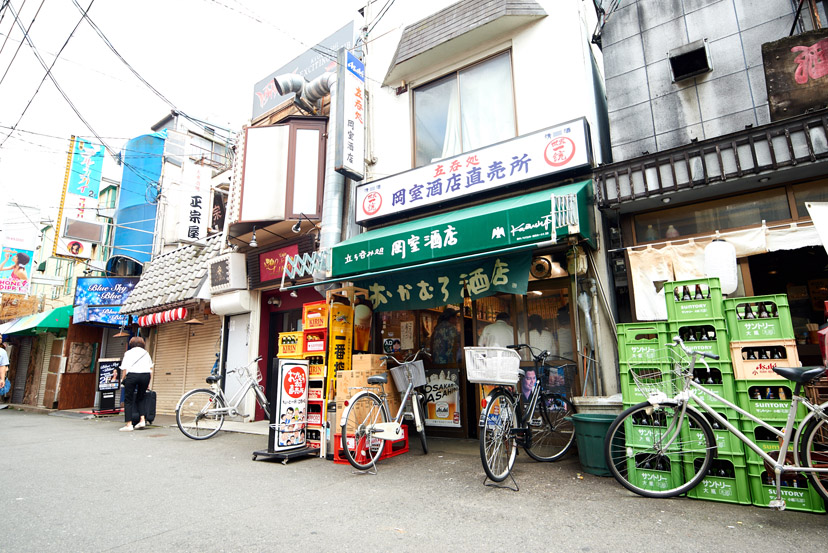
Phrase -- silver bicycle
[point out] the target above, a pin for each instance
(365, 423)
(200, 413)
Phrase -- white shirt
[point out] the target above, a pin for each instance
(137, 360)
(541, 340)
(497, 335)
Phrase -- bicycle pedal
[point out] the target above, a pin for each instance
(777, 504)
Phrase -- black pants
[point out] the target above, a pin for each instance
(133, 382)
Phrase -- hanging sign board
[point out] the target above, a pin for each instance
(350, 116)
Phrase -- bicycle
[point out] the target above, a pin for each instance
(648, 444)
(200, 413)
(542, 428)
(365, 422)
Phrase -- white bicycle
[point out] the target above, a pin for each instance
(200, 413)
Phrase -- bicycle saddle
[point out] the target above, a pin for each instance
(213, 378)
(802, 375)
(378, 379)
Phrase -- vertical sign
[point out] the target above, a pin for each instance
(350, 116)
(77, 226)
(289, 429)
(194, 203)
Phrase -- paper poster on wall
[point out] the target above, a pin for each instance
(407, 334)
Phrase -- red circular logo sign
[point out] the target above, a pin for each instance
(372, 203)
(559, 151)
(295, 383)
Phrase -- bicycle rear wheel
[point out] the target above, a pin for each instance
(551, 434)
(813, 453)
(639, 457)
(360, 447)
(497, 441)
(196, 414)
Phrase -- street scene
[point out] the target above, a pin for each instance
(449, 274)
(78, 485)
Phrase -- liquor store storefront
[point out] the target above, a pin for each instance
(440, 281)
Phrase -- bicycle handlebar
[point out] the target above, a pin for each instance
(541, 357)
(409, 359)
(680, 343)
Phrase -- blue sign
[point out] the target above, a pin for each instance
(99, 299)
(85, 175)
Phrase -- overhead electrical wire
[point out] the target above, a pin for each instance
(20, 45)
(3, 16)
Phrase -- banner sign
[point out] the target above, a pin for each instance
(436, 286)
(108, 372)
(194, 203)
(288, 430)
(77, 225)
(99, 299)
(15, 269)
(539, 154)
(350, 117)
(340, 336)
(272, 263)
(442, 391)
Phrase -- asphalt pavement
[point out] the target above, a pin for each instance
(74, 484)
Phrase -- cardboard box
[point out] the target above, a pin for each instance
(367, 361)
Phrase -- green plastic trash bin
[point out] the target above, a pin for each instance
(590, 431)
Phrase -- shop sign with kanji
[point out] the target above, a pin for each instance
(436, 286)
(553, 150)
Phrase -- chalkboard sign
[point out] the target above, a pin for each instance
(109, 371)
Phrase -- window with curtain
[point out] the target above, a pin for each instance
(465, 110)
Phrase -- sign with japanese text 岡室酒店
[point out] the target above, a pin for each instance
(556, 149)
(350, 123)
(99, 299)
(428, 287)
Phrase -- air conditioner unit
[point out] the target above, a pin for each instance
(228, 272)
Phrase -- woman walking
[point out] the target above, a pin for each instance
(136, 370)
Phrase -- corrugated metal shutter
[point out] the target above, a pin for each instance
(115, 347)
(44, 368)
(184, 356)
(22, 367)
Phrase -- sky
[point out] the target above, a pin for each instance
(205, 56)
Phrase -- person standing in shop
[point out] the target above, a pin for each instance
(5, 385)
(445, 342)
(539, 336)
(498, 334)
(136, 371)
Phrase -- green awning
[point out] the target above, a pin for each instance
(490, 227)
(53, 321)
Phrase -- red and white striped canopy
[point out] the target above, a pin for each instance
(161, 317)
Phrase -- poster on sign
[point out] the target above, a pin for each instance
(108, 374)
(288, 424)
(15, 269)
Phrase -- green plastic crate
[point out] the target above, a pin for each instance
(716, 330)
(725, 385)
(657, 480)
(732, 487)
(802, 497)
(748, 428)
(726, 442)
(642, 342)
(770, 328)
(693, 310)
(768, 410)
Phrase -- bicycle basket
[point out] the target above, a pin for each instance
(417, 374)
(662, 375)
(492, 365)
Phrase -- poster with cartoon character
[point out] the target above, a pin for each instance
(288, 425)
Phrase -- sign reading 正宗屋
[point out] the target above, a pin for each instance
(99, 299)
(77, 226)
(553, 150)
(350, 121)
(428, 287)
(194, 202)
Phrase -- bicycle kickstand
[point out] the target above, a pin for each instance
(494, 484)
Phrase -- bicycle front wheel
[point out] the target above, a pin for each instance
(421, 407)
(497, 441)
(813, 453)
(199, 414)
(551, 435)
(648, 455)
(359, 445)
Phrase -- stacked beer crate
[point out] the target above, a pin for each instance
(695, 312)
(763, 338)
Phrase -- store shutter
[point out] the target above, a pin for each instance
(115, 347)
(20, 372)
(48, 340)
(170, 359)
(203, 344)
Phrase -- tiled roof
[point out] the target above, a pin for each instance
(172, 279)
